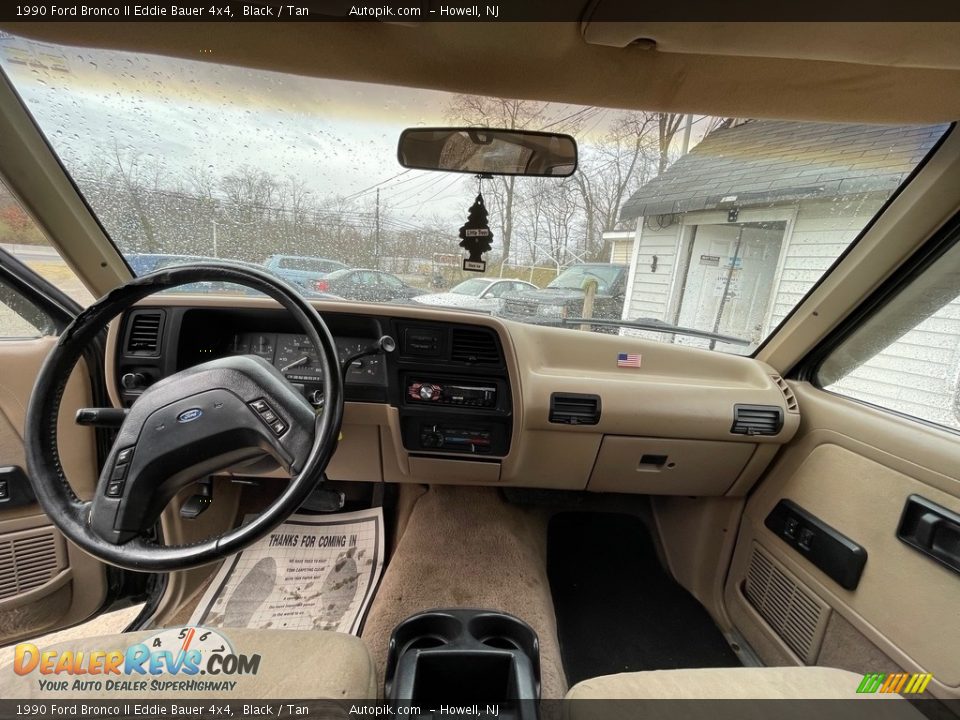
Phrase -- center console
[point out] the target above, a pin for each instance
(454, 391)
(459, 658)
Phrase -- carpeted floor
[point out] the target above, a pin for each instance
(617, 608)
(466, 547)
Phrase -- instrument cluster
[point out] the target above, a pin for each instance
(296, 357)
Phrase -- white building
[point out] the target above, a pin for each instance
(735, 233)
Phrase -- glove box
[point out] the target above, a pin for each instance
(667, 466)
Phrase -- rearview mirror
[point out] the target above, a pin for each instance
(488, 151)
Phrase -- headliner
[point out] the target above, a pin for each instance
(554, 61)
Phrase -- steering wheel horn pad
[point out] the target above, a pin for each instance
(196, 422)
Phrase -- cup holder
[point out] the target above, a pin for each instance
(462, 657)
(424, 631)
(501, 643)
(504, 632)
(427, 641)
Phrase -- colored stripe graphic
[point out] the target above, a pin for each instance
(871, 682)
(905, 683)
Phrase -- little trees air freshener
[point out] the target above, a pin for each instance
(475, 236)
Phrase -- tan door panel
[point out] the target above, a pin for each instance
(854, 467)
(38, 585)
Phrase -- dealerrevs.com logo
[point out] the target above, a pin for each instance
(173, 661)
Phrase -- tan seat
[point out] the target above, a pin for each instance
(774, 683)
(649, 690)
(293, 664)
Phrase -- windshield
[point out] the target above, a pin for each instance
(576, 277)
(720, 225)
(471, 287)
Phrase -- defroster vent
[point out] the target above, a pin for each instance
(143, 337)
(788, 397)
(574, 409)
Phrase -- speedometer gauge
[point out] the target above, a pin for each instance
(297, 357)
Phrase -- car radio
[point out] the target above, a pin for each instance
(441, 393)
(460, 439)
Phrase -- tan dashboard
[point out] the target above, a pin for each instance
(578, 420)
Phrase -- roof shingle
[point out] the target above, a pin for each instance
(769, 161)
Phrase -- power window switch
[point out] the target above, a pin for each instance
(790, 528)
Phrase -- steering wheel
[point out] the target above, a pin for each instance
(184, 427)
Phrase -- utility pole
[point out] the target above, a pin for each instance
(376, 236)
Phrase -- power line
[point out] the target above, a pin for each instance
(435, 195)
(406, 193)
(376, 185)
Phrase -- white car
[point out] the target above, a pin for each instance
(483, 294)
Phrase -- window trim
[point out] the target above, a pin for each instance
(48, 298)
(808, 368)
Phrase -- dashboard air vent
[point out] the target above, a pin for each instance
(144, 334)
(788, 397)
(574, 409)
(478, 347)
(757, 419)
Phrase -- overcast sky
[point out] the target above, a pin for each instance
(338, 137)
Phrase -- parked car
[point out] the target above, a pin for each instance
(482, 294)
(144, 263)
(563, 297)
(366, 285)
(302, 270)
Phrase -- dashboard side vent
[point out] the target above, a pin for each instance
(788, 397)
(27, 561)
(143, 336)
(757, 419)
(790, 611)
(574, 409)
(478, 347)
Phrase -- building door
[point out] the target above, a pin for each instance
(729, 277)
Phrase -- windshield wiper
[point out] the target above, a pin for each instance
(655, 325)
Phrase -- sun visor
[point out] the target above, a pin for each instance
(907, 45)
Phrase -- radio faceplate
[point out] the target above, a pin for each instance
(460, 394)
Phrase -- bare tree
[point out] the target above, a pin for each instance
(668, 124)
(138, 181)
(613, 168)
(559, 209)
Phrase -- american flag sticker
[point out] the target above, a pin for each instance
(628, 360)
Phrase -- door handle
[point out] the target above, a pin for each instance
(932, 529)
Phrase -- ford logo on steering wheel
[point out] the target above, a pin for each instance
(189, 415)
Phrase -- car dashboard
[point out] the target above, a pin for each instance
(473, 399)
